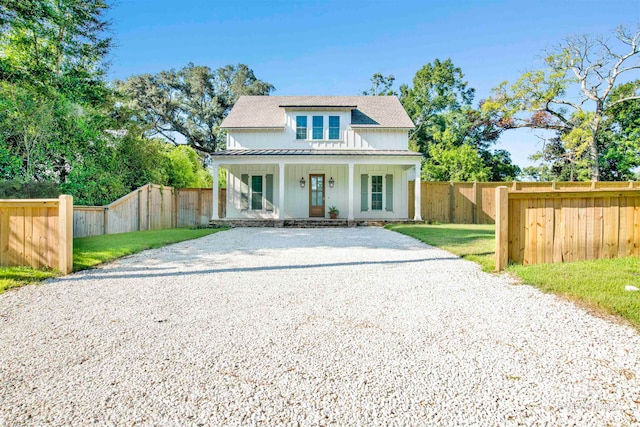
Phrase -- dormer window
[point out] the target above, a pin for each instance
(334, 127)
(318, 128)
(301, 127)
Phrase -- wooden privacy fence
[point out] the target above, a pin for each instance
(37, 233)
(151, 207)
(550, 227)
(474, 202)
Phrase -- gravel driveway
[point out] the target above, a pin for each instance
(358, 326)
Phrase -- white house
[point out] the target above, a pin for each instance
(293, 157)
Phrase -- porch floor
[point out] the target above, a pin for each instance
(307, 222)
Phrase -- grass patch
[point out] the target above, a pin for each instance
(12, 277)
(469, 241)
(597, 284)
(91, 251)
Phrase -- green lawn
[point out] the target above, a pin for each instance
(91, 251)
(12, 277)
(598, 285)
(473, 242)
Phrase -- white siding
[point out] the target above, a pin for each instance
(297, 199)
(400, 192)
(383, 139)
(233, 191)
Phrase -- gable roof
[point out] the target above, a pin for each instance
(264, 112)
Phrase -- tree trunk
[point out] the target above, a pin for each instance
(593, 146)
(595, 168)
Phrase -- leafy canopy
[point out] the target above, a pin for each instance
(191, 102)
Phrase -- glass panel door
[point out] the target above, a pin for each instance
(316, 195)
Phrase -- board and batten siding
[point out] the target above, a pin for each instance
(366, 139)
(297, 198)
(400, 191)
(233, 194)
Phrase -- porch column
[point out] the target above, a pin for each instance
(281, 191)
(351, 201)
(214, 194)
(418, 215)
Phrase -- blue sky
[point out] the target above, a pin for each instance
(334, 47)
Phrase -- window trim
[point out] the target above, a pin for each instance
(336, 128)
(381, 192)
(299, 128)
(314, 128)
(369, 191)
(251, 192)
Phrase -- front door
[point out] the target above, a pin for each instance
(316, 195)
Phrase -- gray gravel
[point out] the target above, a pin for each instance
(308, 326)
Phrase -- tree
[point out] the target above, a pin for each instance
(454, 137)
(191, 102)
(573, 94)
(438, 88)
(454, 163)
(620, 135)
(381, 86)
(60, 45)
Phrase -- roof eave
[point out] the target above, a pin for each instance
(382, 127)
(252, 127)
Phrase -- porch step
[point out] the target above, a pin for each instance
(305, 223)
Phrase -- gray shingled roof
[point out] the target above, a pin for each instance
(311, 152)
(367, 111)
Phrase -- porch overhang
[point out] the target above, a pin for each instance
(310, 156)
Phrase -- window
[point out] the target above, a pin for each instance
(256, 192)
(376, 193)
(318, 129)
(301, 127)
(375, 196)
(334, 127)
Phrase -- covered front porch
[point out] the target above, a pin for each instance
(285, 185)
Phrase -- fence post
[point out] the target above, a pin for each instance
(106, 219)
(65, 234)
(502, 228)
(149, 206)
(452, 202)
(474, 203)
(174, 207)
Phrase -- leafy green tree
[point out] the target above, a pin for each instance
(573, 94)
(184, 168)
(191, 102)
(620, 137)
(381, 86)
(27, 127)
(437, 89)
(56, 44)
(449, 131)
(454, 163)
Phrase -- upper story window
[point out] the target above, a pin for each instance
(334, 127)
(318, 127)
(301, 127)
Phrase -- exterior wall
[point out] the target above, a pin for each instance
(368, 139)
(297, 199)
(234, 174)
(400, 192)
